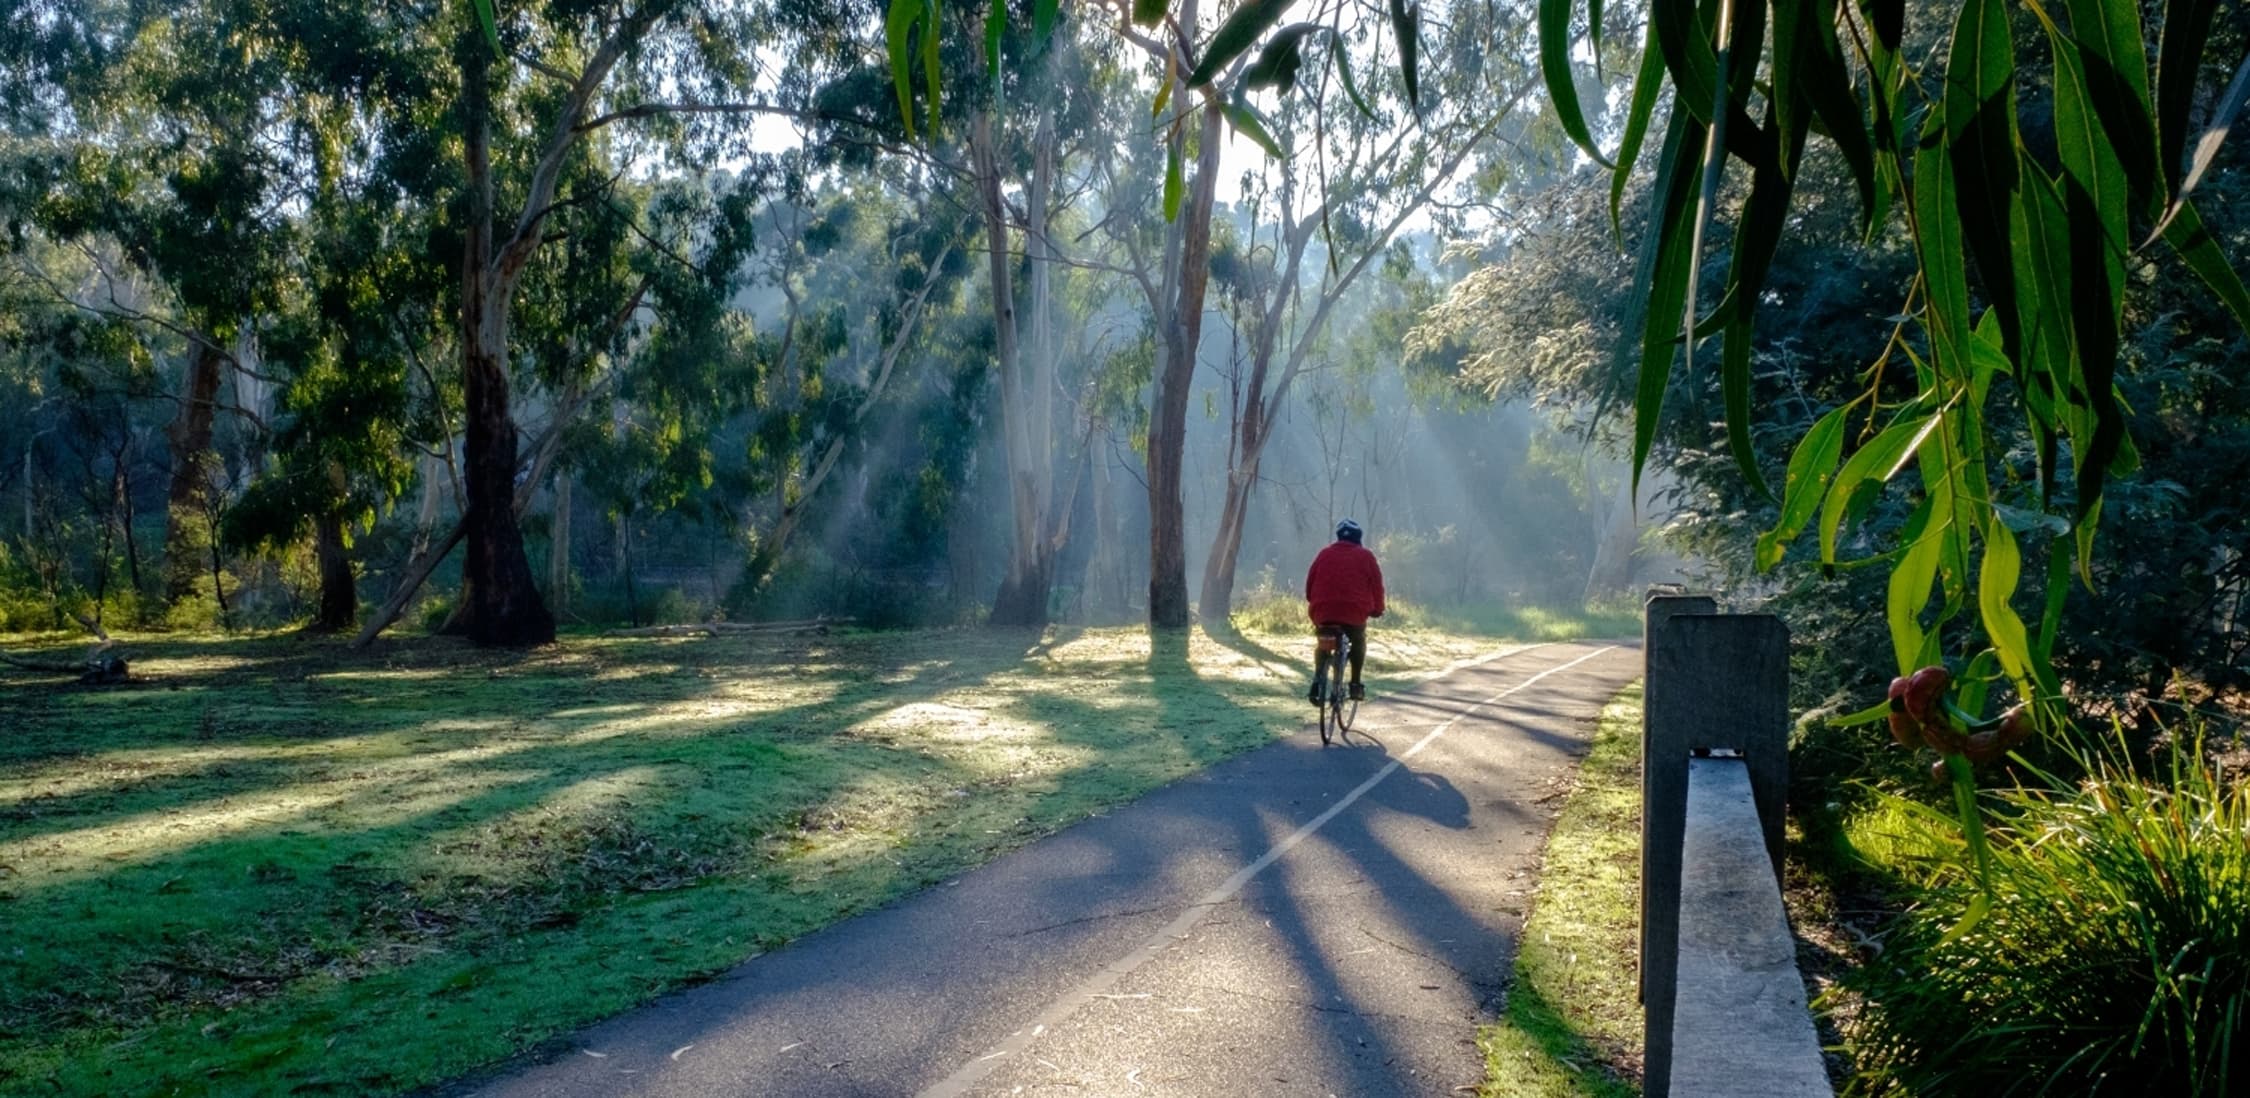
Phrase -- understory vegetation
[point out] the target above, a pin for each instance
(273, 865)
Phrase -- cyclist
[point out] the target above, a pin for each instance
(1344, 588)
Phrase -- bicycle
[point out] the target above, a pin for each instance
(1331, 693)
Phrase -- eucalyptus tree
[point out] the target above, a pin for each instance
(1355, 171)
(167, 152)
(545, 90)
(861, 268)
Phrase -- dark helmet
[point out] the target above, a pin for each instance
(1348, 530)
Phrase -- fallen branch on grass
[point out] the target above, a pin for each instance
(715, 628)
(97, 670)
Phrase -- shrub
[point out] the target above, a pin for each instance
(2113, 954)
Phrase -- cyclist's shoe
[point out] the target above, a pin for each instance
(1358, 692)
(1313, 693)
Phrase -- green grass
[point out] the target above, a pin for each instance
(1572, 1026)
(272, 865)
(1275, 611)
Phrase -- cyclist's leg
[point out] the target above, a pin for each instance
(1319, 666)
(1360, 655)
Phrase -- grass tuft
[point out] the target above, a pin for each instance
(2112, 955)
(1572, 1025)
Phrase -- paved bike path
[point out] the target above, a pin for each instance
(1293, 921)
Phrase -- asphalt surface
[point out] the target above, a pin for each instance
(1295, 921)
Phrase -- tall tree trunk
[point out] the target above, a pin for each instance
(124, 486)
(339, 584)
(187, 531)
(558, 547)
(502, 600)
(1190, 246)
(1027, 374)
(1226, 548)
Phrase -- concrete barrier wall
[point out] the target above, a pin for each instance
(1717, 715)
(1740, 1027)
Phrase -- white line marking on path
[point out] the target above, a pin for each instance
(958, 1083)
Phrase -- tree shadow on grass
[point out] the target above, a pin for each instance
(369, 882)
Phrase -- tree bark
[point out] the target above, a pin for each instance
(558, 547)
(339, 583)
(502, 600)
(1167, 428)
(1027, 374)
(187, 525)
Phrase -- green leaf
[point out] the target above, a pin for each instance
(1175, 186)
(1695, 76)
(930, 60)
(1343, 61)
(1043, 13)
(1972, 829)
(1406, 21)
(1148, 13)
(2108, 34)
(1278, 62)
(1872, 714)
(2214, 135)
(1646, 86)
(898, 32)
(2084, 529)
(1674, 196)
(1236, 35)
(1876, 462)
(1817, 67)
(1996, 585)
(1980, 130)
(491, 25)
(1757, 236)
(1163, 97)
(1562, 86)
(2050, 366)
(995, 21)
(1937, 236)
(1910, 582)
(2094, 207)
(2187, 30)
(1245, 122)
(2197, 248)
(1734, 386)
(2050, 619)
(1809, 467)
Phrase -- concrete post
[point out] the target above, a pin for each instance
(1658, 609)
(1717, 682)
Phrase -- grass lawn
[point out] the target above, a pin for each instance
(1572, 1026)
(273, 865)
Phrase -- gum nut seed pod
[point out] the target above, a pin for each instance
(1904, 730)
(1942, 736)
(2015, 726)
(1984, 747)
(1923, 689)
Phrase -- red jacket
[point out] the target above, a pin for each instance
(1344, 586)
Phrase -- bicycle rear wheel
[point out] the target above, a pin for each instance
(1333, 718)
(1342, 702)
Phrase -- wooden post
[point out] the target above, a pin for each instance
(1717, 683)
